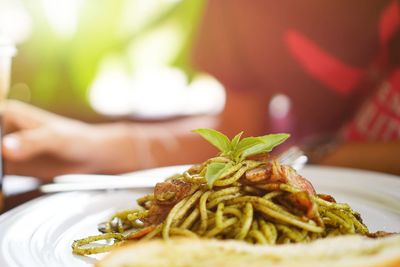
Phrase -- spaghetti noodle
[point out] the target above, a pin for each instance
(241, 204)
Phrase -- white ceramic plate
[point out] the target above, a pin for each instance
(40, 232)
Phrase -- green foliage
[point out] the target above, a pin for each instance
(217, 139)
(236, 149)
(62, 68)
(256, 145)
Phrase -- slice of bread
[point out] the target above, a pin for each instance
(343, 251)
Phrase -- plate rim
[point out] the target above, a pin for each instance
(308, 167)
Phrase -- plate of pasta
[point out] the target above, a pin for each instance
(40, 232)
(241, 194)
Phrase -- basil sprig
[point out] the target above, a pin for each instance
(236, 149)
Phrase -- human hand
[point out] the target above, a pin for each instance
(43, 144)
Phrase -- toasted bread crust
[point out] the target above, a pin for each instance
(347, 251)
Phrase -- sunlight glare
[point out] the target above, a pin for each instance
(156, 93)
(62, 15)
(15, 22)
(110, 92)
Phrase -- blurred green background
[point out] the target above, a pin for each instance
(69, 41)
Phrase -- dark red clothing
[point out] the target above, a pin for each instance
(328, 57)
(379, 117)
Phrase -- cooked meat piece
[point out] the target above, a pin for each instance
(264, 175)
(302, 201)
(296, 180)
(259, 174)
(264, 157)
(328, 198)
(274, 173)
(379, 234)
(141, 233)
(171, 192)
(166, 195)
(157, 214)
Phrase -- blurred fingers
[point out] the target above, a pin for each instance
(26, 144)
(23, 116)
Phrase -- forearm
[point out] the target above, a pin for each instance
(45, 145)
(376, 156)
(144, 145)
(171, 143)
(127, 146)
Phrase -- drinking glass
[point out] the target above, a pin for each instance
(7, 51)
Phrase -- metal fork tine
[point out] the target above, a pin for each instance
(294, 157)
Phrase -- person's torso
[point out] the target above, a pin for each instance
(325, 56)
